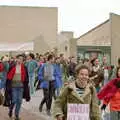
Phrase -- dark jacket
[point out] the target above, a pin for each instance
(71, 69)
(8, 90)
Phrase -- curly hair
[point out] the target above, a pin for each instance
(80, 67)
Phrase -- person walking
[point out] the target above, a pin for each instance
(16, 79)
(79, 91)
(110, 94)
(71, 69)
(31, 68)
(47, 77)
(97, 74)
(59, 81)
(5, 62)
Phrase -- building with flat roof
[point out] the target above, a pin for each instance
(66, 44)
(21, 24)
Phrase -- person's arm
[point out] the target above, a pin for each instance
(40, 73)
(94, 107)
(59, 105)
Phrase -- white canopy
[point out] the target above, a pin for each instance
(28, 46)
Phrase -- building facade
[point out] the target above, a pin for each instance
(103, 40)
(20, 24)
(66, 44)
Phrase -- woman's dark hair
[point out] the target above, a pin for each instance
(93, 61)
(118, 68)
(20, 55)
(50, 57)
(118, 61)
(80, 67)
(32, 55)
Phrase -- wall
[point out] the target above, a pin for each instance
(115, 38)
(65, 43)
(98, 36)
(22, 24)
(73, 47)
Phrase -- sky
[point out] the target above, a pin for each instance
(78, 16)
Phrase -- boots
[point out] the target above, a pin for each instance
(48, 112)
(40, 108)
(17, 117)
(10, 114)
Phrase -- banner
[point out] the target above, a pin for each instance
(78, 112)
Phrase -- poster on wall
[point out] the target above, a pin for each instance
(78, 112)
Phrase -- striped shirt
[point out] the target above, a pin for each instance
(80, 91)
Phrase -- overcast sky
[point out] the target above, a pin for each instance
(78, 16)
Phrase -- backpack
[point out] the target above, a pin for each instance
(46, 73)
(1, 67)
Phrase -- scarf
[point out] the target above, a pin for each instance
(11, 73)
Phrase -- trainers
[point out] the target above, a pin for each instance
(40, 109)
(16, 117)
(48, 113)
(10, 114)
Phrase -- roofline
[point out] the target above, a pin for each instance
(29, 6)
(94, 28)
(66, 31)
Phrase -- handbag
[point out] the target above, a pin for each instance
(1, 98)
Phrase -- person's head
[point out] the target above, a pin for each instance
(37, 54)
(118, 61)
(82, 73)
(5, 59)
(112, 67)
(57, 60)
(41, 58)
(118, 72)
(95, 62)
(31, 56)
(104, 59)
(61, 57)
(19, 59)
(50, 58)
(86, 61)
(73, 60)
(12, 59)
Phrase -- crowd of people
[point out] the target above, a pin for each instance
(64, 80)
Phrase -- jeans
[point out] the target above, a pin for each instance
(31, 83)
(4, 79)
(115, 115)
(17, 96)
(0, 84)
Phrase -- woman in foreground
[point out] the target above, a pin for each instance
(78, 92)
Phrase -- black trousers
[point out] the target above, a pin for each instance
(48, 94)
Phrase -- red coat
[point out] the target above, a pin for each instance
(109, 90)
(11, 73)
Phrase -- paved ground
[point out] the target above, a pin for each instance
(29, 110)
(33, 106)
(25, 115)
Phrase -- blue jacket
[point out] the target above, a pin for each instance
(44, 83)
(58, 76)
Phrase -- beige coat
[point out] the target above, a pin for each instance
(69, 95)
